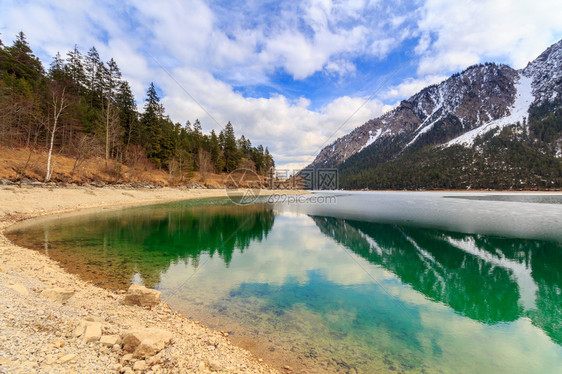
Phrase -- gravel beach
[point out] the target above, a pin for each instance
(53, 322)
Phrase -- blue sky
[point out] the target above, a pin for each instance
(287, 74)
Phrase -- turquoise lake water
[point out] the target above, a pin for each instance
(365, 282)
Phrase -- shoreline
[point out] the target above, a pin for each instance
(197, 348)
(36, 334)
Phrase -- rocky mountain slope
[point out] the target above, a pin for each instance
(477, 103)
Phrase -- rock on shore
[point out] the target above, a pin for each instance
(52, 322)
(140, 295)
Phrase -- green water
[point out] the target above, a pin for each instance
(329, 294)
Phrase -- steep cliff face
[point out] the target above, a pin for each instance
(457, 111)
(546, 74)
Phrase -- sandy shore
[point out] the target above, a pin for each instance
(37, 334)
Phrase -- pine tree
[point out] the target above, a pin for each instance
(128, 117)
(93, 70)
(22, 62)
(111, 80)
(75, 68)
(215, 150)
(196, 137)
(57, 68)
(268, 159)
(150, 122)
(258, 159)
(245, 146)
(230, 150)
(197, 127)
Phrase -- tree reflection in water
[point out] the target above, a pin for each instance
(488, 279)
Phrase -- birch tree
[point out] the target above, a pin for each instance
(59, 103)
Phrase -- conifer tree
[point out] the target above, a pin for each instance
(128, 117)
(150, 122)
(75, 68)
(81, 104)
(57, 68)
(230, 149)
(111, 80)
(93, 72)
(22, 62)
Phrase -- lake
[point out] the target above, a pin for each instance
(343, 282)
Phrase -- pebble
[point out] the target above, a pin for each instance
(66, 358)
(21, 289)
(140, 365)
(54, 329)
(215, 365)
(59, 343)
(110, 340)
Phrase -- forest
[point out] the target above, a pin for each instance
(82, 107)
(522, 156)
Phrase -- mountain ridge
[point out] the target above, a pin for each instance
(458, 112)
(496, 84)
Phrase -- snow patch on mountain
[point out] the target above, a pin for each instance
(520, 272)
(374, 246)
(372, 138)
(518, 113)
(423, 131)
(546, 71)
(481, 98)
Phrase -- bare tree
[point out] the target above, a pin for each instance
(113, 131)
(84, 147)
(17, 112)
(205, 164)
(59, 103)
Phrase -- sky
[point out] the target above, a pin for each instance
(291, 75)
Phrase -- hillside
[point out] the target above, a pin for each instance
(26, 166)
(489, 126)
(82, 109)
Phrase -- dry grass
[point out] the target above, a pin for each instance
(16, 163)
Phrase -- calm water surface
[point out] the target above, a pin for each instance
(365, 282)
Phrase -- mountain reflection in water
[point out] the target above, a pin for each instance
(488, 279)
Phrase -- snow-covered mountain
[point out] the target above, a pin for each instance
(456, 111)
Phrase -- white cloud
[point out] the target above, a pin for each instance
(411, 86)
(211, 48)
(466, 32)
(293, 132)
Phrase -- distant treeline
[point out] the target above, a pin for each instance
(82, 107)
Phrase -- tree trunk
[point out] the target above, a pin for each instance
(58, 107)
(49, 171)
(107, 131)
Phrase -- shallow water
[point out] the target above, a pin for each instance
(365, 282)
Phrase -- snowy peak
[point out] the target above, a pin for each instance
(480, 94)
(454, 112)
(546, 72)
(489, 85)
(517, 113)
